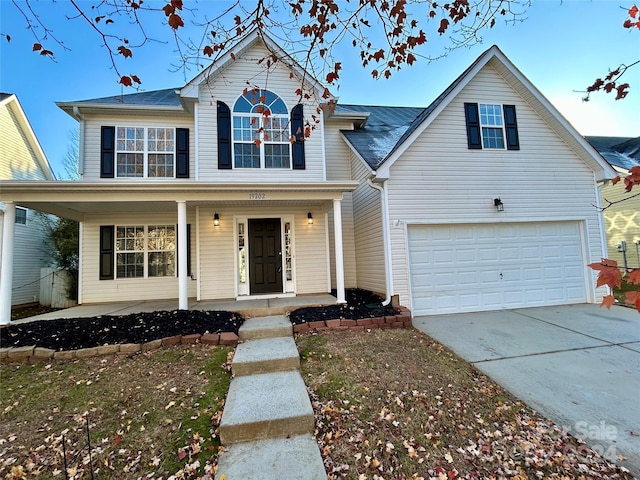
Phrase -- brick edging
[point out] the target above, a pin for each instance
(34, 354)
(399, 320)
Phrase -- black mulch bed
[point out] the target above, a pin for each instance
(77, 333)
(360, 304)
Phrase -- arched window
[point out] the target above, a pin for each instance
(261, 131)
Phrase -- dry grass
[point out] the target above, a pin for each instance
(395, 404)
(149, 415)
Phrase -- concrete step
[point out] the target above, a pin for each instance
(293, 458)
(265, 327)
(266, 355)
(268, 405)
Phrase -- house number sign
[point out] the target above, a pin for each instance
(257, 196)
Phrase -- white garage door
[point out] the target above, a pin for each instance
(468, 268)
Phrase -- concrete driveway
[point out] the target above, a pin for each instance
(578, 365)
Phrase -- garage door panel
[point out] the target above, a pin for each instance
(457, 268)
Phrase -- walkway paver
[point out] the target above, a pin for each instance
(267, 423)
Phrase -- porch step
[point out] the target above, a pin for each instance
(264, 406)
(293, 458)
(266, 355)
(265, 327)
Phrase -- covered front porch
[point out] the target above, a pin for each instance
(248, 307)
(206, 242)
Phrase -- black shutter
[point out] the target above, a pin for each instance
(188, 250)
(297, 132)
(511, 127)
(474, 140)
(107, 152)
(182, 153)
(107, 248)
(224, 136)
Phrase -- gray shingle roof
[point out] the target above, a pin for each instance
(622, 152)
(382, 135)
(157, 98)
(384, 128)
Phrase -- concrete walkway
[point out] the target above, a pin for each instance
(578, 365)
(249, 307)
(267, 423)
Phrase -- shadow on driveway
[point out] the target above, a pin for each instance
(578, 365)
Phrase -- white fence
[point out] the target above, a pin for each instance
(53, 288)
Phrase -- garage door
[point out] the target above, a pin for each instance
(468, 268)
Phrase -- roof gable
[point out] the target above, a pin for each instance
(381, 162)
(11, 102)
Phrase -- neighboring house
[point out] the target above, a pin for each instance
(22, 158)
(178, 199)
(621, 220)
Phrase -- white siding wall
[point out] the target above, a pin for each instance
(339, 169)
(438, 180)
(95, 290)
(31, 252)
(368, 231)
(227, 87)
(218, 249)
(94, 123)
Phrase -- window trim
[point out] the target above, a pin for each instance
(260, 130)
(145, 251)
(492, 127)
(25, 215)
(145, 152)
(474, 125)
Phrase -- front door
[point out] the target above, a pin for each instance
(265, 256)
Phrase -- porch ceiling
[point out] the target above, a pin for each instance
(76, 199)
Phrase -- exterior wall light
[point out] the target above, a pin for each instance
(216, 220)
(309, 218)
(498, 204)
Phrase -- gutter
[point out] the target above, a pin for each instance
(81, 120)
(385, 235)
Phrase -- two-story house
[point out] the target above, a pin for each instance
(250, 181)
(22, 158)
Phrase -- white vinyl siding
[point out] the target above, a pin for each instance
(439, 181)
(227, 87)
(93, 124)
(218, 249)
(31, 252)
(369, 240)
(122, 289)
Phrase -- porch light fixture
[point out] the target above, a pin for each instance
(498, 204)
(309, 218)
(216, 220)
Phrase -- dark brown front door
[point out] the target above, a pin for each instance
(265, 256)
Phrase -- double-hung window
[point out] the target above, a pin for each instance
(261, 131)
(491, 126)
(21, 216)
(145, 251)
(145, 152)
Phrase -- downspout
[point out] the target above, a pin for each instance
(81, 121)
(385, 236)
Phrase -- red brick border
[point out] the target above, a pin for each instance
(36, 354)
(402, 319)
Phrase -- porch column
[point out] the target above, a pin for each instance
(183, 299)
(337, 229)
(6, 272)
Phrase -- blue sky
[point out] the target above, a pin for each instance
(562, 46)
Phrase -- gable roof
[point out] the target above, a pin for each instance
(382, 161)
(622, 152)
(190, 90)
(11, 102)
